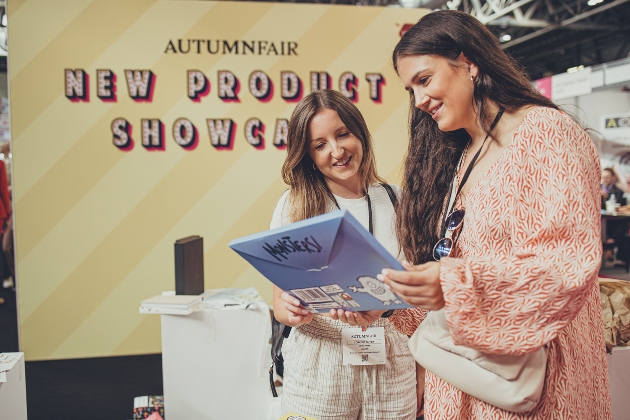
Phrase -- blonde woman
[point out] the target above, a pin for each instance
(330, 165)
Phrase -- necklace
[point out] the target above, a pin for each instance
(369, 203)
(469, 169)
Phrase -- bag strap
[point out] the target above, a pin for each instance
(391, 193)
(286, 331)
(394, 200)
(271, 384)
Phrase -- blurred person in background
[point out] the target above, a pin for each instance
(609, 186)
(7, 265)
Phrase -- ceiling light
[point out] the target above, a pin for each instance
(505, 37)
(594, 2)
(574, 69)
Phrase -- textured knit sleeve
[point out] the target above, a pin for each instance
(515, 302)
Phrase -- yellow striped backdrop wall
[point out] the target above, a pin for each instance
(95, 225)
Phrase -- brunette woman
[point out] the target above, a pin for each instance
(514, 188)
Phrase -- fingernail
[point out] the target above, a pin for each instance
(384, 271)
(380, 277)
(296, 302)
(304, 311)
(356, 315)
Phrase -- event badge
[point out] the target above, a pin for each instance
(363, 347)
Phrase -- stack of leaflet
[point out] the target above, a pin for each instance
(171, 304)
(7, 361)
(232, 298)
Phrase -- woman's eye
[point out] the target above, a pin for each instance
(344, 134)
(423, 81)
(319, 146)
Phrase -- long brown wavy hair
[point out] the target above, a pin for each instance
(433, 155)
(309, 194)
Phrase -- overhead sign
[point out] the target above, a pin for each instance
(616, 128)
(568, 85)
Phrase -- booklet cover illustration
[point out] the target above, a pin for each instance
(327, 262)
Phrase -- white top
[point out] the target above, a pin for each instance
(383, 216)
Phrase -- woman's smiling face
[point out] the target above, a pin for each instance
(336, 152)
(442, 88)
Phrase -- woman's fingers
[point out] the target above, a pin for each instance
(421, 296)
(290, 299)
(293, 305)
(372, 315)
(296, 310)
(418, 286)
(347, 317)
(414, 276)
(356, 319)
(363, 321)
(341, 315)
(404, 290)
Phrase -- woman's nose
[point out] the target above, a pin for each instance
(337, 151)
(422, 101)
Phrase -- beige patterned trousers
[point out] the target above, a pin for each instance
(316, 383)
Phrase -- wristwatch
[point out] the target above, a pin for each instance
(387, 314)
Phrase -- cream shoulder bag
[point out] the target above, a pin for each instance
(512, 383)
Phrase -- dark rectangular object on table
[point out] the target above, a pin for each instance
(189, 266)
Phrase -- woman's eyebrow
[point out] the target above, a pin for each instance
(417, 75)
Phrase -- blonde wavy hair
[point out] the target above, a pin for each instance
(309, 194)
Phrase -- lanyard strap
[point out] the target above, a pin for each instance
(468, 170)
(369, 202)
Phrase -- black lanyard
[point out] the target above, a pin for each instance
(469, 169)
(367, 196)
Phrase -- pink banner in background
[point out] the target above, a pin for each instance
(544, 86)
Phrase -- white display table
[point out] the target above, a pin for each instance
(13, 392)
(216, 363)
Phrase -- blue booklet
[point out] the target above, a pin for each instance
(327, 262)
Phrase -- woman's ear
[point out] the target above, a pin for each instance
(471, 67)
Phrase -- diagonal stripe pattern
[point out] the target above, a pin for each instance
(95, 225)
